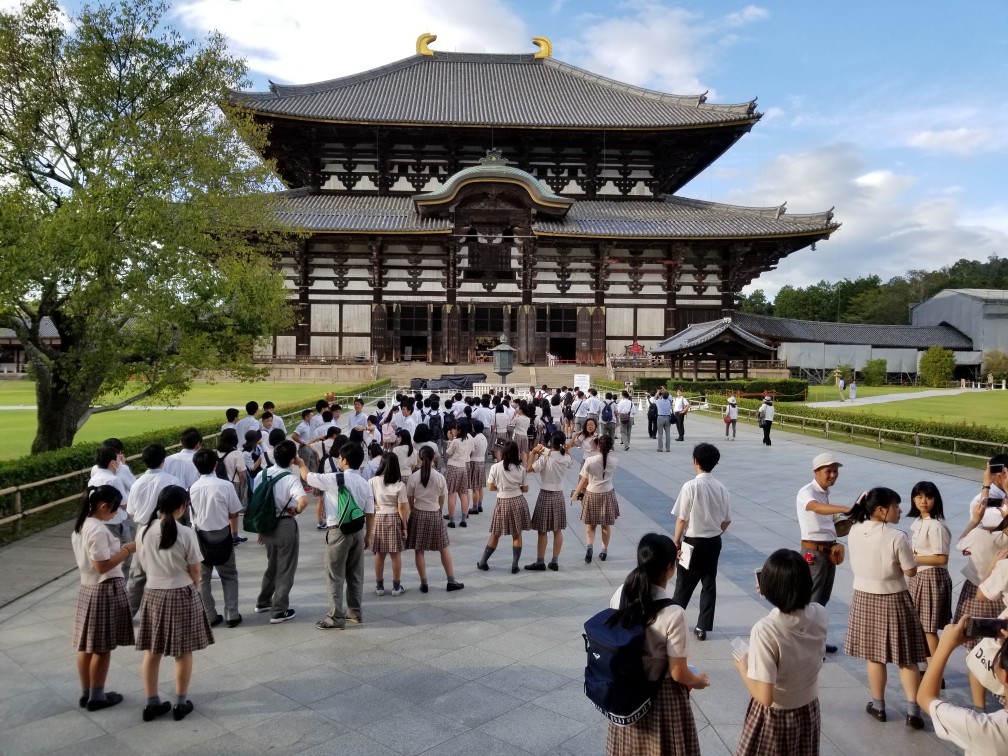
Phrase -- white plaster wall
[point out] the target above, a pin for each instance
(286, 346)
(324, 346)
(619, 320)
(325, 317)
(356, 318)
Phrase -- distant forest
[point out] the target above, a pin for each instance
(868, 300)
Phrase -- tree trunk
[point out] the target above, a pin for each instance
(60, 415)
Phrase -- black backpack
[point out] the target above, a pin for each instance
(615, 678)
(435, 421)
(221, 469)
(328, 456)
(652, 411)
(606, 415)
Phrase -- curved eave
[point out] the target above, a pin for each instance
(433, 202)
(811, 235)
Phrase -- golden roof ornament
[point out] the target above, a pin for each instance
(545, 47)
(421, 44)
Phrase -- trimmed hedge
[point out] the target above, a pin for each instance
(785, 389)
(80, 456)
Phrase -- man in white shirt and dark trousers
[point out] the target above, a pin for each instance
(703, 513)
(282, 542)
(215, 505)
(818, 533)
(680, 406)
(344, 557)
(142, 502)
(181, 464)
(625, 411)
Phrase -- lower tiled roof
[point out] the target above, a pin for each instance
(893, 336)
(698, 335)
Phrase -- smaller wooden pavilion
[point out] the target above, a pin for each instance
(721, 342)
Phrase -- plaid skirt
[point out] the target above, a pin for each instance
(599, 508)
(510, 516)
(974, 607)
(173, 622)
(884, 628)
(457, 479)
(667, 729)
(768, 731)
(426, 531)
(103, 620)
(388, 537)
(522, 440)
(931, 592)
(550, 512)
(477, 475)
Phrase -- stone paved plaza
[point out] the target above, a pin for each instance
(494, 669)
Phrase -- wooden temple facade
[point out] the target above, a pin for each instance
(448, 198)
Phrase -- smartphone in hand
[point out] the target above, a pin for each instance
(986, 627)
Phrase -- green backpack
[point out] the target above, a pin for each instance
(350, 517)
(261, 513)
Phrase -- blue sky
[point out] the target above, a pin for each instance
(893, 112)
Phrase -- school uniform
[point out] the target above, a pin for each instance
(599, 506)
(457, 455)
(883, 625)
(668, 728)
(477, 463)
(213, 501)
(931, 587)
(977, 734)
(244, 425)
(102, 619)
(786, 651)
(593, 406)
(625, 412)
(388, 531)
(172, 619)
(143, 501)
(511, 511)
(981, 545)
(426, 530)
(181, 466)
(551, 506)
(520, 424)
(282, 543)
(119, 526)
(407, 459)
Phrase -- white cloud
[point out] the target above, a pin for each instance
(959, 141)
(301, 41)
(747, 15)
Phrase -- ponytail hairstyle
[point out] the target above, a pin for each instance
(170, 499)
(510, 455)
(404, 439)
(426, 461)
(464, 427)
(655, 554)
(871, 501)
(227, 441)
(389, 469)
(547, 413)
(930, 491)
(605, 445)
(252, 439)
(558, 442)
(94, 496)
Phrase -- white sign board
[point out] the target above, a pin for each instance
(582, 381)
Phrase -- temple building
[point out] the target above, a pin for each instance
(448, 198)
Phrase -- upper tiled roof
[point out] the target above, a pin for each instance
(893, 336)
(699, 335)
(46, 330)
(674, 217)
(984, 295)
(468, 89)
(493, 169)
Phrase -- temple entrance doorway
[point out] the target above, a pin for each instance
(563, 348)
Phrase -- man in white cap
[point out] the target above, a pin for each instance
(818, 534)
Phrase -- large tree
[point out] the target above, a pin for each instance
(133, 211)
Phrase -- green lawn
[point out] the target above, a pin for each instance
(832, 393)
(980, 407)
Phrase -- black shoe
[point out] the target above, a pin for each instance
(236, 621)
(481, 509)
(451, 523)
(288, 614)
(553, 566)
(536, 567)
(424, 588)
(515, 569)
(445, 517)
(588, 556)
(111, 699)
(152, 711)
(218, 621)
(83, 700)
(473, 511)
(236, 539)
(483, 566)
(915, 721)
(700, 634)
(463, 524)
(879, 714)
(455, 587)
(182, 710)
(602, 555)
(830, 648)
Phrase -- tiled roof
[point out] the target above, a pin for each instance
(893, 336)
(674, 217)
(984, 295)
(46, 330)
(490, 90)
(698, 335)
(489, 171)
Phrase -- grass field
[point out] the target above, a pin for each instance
(831, 393)
(980, 407)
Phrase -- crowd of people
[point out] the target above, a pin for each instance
(398, 477)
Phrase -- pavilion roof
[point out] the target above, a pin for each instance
(699, 337)
(892, 336)
(470, 89)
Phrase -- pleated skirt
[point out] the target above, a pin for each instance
(477, 475)
(173, 622)
(668, 729)
(388, 537)
(510, 516)
(931, 593)
(772, 732)
(457, 479)
(884, 628)
(522, 440)
(599, 508)
(550, 512)
(426, 531)
(103, 620)
(974, 607)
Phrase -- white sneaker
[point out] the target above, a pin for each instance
(398, 591)
(379, 591)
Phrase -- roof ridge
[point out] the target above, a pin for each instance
(774, 211)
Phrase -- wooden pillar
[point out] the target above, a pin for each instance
(745, 367)
(525, 341)
(302, 309)
(430, 333)
(451, 315)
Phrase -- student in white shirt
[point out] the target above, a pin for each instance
(108, 461)
(931, 540)
(231, 414)
(550, 515)
(625, 413)
(248, 422)
(511, 511)
(181, 464)
(278, 421)
(427, 491)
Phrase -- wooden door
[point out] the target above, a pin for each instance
(526, 336)
(379, 332)
(584, 335)
(598, 346)
(450, 320)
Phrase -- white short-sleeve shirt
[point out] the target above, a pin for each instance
(105, 477)
(704, 503)
(145, 492)
(167, 568)
(930, 537)
(879, 554)
(977, 734)
(181, 466)
(388, 497)
(508, 481)
(359, 489)
(814, 527)
(665, 637)
(996, 584)
(600, 480)
(427, 498)
(213, 501)
(786, 650)
(551, 468)
(979, 546)
(93, 544)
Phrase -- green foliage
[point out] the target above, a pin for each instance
(997, 363)
(785, 389)
(133, 211)
(756, 303)
(936, 367)
(844, 371)
(874, 373)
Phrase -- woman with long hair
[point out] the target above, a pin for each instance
(172, 619)
(391, 522)
(511, 511)
(427, 490)
(477, 468)
(781, 667)
(931, 540)
(550, 515)
(883, 627)
(403, 449)
(599, 507)
(102, 620)
(458, 452)
(668, 728)
(586, 439)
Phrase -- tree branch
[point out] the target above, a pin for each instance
(124, 403)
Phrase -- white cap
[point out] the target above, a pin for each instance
(824, 460)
